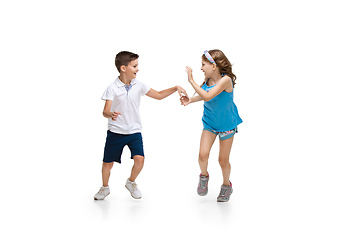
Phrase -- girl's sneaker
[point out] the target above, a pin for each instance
(225, 193)
(132, 187)
(202, 189)
(102, 193)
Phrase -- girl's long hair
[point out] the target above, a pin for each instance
(222, 63)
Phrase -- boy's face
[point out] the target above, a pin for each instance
(131, 69)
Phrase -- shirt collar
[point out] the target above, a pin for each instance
(121, 84)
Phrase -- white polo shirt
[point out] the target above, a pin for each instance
(127, 103)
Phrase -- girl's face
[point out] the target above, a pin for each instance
(207, 68)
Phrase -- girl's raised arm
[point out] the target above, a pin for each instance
(224, 83)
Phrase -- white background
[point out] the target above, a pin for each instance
(295, 161)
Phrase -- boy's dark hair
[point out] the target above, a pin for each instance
(124, 58)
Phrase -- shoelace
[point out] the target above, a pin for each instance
(134, 186)
(223, 191)
(202, 183)
(101, 190)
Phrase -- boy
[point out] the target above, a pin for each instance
(124, 125)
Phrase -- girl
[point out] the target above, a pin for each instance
(220, 116)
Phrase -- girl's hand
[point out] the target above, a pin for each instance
(189, 72)
(115, 115)
(181, 91)
(185, 100)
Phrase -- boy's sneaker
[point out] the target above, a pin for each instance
(225, 193)
(132, 187)
(102, 193)
(202, 189)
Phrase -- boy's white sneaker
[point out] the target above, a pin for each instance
(132, 187)
(102, 193)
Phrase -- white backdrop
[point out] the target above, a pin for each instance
(295, 161)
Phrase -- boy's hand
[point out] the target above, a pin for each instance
(115, 115)
(185, 100)
(181, 91)
(189, 72)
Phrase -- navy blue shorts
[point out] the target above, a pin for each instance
(115, 144)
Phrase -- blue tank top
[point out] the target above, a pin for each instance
(220, 113)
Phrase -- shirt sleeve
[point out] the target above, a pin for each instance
(144, 89)
(108, 94)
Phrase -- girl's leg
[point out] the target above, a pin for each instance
(106, 169)
(206, 142)
(136, 169)
(224, 155)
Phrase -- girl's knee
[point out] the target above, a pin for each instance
(203, 156)
(224, 162)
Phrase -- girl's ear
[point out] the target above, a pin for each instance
(123, 68)
(213, 66)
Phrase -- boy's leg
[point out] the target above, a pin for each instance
(104, 190)
(224, 155)
(106, 169)
(112, 152)
(137, 154)
(130, 183)
(206, 142)
(136, 169)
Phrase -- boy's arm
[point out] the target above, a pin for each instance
(165, 93)
(107, 113)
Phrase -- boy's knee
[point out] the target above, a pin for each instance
(139, 160)
(107, 166)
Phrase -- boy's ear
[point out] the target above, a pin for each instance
(122, 68)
